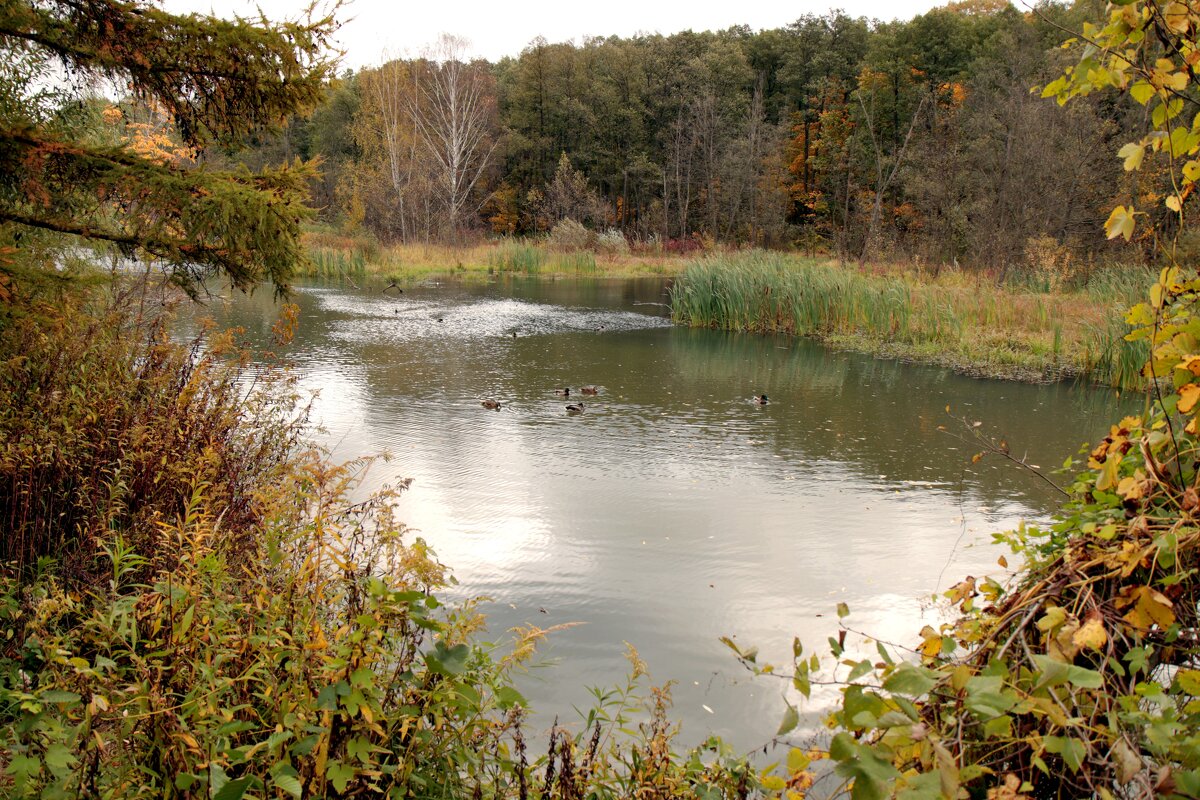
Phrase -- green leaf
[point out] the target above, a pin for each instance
(910, 680)
(58, 758)
(987, 697)
(1072, 750)
(58, 696)
(924, 786)
(1084, 678)
(791, 718)
(801, 681)
(507, 697)
(340, 775)
(860, 669)
(797, 760)
(23, 767)
(1188, 681)
(233, 790)
(870, 773)
(843, 610)
(448, 660)
(289, 784)
(1054, 672)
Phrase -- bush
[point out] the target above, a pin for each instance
(612, 242)
(570, 235)
(108, 426)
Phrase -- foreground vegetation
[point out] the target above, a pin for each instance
(198, 605)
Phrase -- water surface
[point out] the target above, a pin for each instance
(674, 510)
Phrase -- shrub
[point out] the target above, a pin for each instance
(108, 425)
(570, 235)
(612, 242)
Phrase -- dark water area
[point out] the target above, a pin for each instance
(674, 510)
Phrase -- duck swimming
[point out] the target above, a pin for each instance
(492, 404)
(563, 392)
(590, 390)
(760, 399)
(575, 408)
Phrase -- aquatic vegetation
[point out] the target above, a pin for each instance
(953, 319)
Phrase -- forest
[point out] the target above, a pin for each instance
(916, 140)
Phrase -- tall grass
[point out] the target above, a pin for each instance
(325, 262)
(517, 256)
(953, 318)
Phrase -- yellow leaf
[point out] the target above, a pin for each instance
(1189, 394)
(1174, 203)
(1176, 17)
(1092, 635)
(1191, 363)
(1062, 645)
(1133, 155)
(1120, 223)
(1002, 561)
(1149, 607)
(932, 644)
(1054, 616)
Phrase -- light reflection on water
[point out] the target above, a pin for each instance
(673, 511)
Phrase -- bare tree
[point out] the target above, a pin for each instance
(452, 109)
(883, 176)
(390, 89)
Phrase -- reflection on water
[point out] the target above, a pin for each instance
(674, 510)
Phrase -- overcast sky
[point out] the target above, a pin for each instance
(497, 29)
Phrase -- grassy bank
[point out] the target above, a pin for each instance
(335, 255)
(965, 321)
(1030, 328)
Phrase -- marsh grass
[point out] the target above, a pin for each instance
(953, 317)
(333, 255)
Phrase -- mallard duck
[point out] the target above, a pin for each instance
(563, 392)
(575, 408)
(590, 390)
(760, 399)
(492, 404)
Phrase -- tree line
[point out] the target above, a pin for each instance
(917, 139)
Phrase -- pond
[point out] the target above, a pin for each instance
(673, 510)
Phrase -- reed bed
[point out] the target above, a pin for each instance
(334, 254)
(955, 318)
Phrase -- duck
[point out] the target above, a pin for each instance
(575, 408)
(563, 392)
(492, 404)
(760, 399)
(590, 390)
